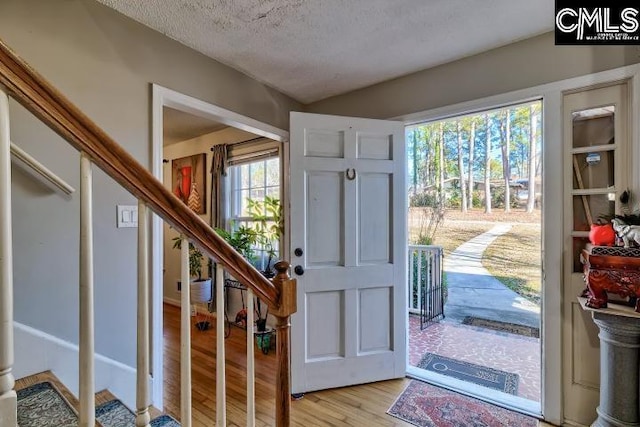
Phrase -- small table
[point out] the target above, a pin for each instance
(231, 284)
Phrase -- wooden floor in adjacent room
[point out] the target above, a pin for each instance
(364, 405)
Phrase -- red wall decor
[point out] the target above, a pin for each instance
(188, 178)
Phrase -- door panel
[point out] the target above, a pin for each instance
(375, 234)
(595, 140)
(376, 322)
(348, 208)
(325, 227)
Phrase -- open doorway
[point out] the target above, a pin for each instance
(475, 232)
(185, 133)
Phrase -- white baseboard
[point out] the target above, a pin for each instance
(37, 351)
(171, 301)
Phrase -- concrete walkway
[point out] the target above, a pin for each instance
(473, 291)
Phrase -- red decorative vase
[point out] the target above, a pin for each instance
(602, 235)
(185, 171)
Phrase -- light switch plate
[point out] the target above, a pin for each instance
(127, 216)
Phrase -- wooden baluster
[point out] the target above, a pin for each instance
(221, 395)
(142, 373)
(251, 364)
(8, 404)
(185, 337)
(87, 412)
(287, 296)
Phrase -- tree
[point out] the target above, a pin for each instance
(463, 188)
(506, 167)
(415, 160)
(487, 166)
(441, 164)
(533, 134)
(472, 138)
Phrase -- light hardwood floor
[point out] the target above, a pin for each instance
(364, 405)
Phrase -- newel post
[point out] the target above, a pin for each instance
(287, 291)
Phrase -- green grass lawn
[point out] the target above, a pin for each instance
(515, 259)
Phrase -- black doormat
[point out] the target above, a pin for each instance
(465, 371)
(496, 325)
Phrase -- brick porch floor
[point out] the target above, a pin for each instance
(498, 350)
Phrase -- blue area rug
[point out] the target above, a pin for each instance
(115, 414)
(487, 377)
(42, 405)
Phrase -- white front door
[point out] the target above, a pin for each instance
(348, 241)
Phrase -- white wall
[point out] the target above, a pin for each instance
(519, 65)
(105, 63)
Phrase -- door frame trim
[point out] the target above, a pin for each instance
(552, 232)
(164, 97)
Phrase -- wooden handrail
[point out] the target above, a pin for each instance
(38, 96)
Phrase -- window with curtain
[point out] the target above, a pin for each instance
(252, 181)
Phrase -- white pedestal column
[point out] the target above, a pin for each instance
(619, 367)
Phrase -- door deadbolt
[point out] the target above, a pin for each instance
(298, 252)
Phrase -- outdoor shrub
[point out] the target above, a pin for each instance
(476, 199)
(454, 201)
(429, 200)
(497, 198)
(424, 240)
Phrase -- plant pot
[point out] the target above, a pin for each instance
(261, 325)
(203, 326)
(200, 291)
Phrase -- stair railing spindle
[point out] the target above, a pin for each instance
(185, 336)
(221, 397)
(143, 417)
(251, 364)
(8, 403)
(87, 413)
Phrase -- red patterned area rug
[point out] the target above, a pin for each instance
(424, 405)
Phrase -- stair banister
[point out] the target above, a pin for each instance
(40, 171)
(287, 288)
(8, 402)
(87, 412)
(143, 417)
(52, 108)
(39, 97)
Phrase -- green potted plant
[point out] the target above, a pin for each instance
(267, 228)
(266, 216)
(200, 288)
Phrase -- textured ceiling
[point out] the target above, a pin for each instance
(179, 126)
(314, 49)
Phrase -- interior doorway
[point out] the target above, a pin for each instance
(475, 250)
(195, 124)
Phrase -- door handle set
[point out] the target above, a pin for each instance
(298, 269)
